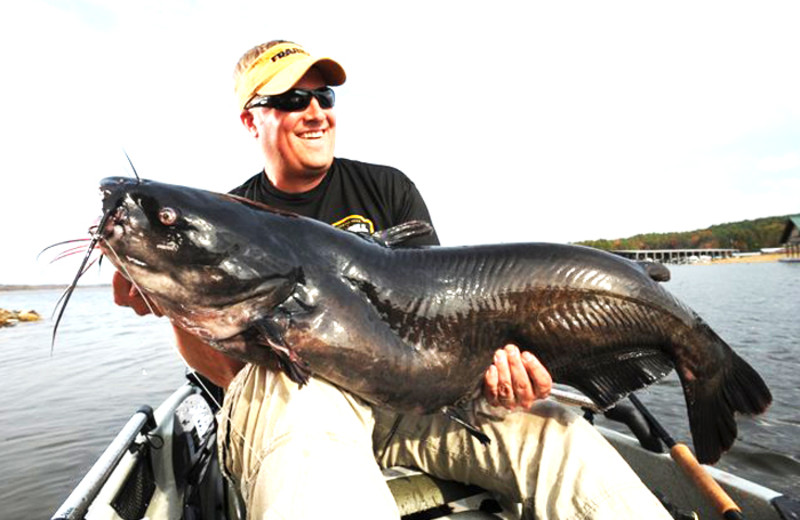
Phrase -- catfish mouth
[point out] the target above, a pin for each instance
(200, 297)
(114, 228)
(111, 233)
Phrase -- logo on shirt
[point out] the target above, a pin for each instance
(356, 224)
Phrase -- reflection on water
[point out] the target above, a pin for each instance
(60, 411)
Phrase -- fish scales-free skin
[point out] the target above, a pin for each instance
(415, 329)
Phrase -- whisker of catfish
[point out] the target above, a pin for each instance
(138, 180)
(68, 252)
(69, 288)
(129, 277)
(90, 264)
(61, 244)
(58, 304)
(68, 294)
(81, 270)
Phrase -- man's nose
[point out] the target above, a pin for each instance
(314, 111)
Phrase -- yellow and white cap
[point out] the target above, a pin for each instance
(278, 68)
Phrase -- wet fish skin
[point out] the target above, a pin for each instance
(415, 329)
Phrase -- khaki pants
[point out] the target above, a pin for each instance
(308, 453)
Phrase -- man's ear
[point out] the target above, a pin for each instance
(247, 120)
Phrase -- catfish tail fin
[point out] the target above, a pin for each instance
(713, 402)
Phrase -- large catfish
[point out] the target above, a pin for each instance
(414, 329)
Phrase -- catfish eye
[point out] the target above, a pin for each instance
(168, 216)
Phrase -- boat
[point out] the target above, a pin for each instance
(162, 465)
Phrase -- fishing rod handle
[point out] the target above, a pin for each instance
(682, 455)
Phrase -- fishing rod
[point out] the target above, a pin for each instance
(680, 453)
(684, 457)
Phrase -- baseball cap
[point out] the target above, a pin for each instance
(278, 68)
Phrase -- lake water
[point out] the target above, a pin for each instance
(60, 410)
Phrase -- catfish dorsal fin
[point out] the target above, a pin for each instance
(656, 271)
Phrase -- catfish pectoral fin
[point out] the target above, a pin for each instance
(297, 372)
(289, 361)
(456, 415)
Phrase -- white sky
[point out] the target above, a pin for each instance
(519, 121)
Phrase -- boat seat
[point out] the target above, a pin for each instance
(419, 495)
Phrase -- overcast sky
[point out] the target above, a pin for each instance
(518, 121)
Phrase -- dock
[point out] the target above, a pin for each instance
(675, 256)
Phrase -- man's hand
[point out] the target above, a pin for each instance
(127, 295)
(516, 380)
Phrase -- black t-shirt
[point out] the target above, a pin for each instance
(354, 196)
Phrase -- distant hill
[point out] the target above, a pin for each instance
(746, 235)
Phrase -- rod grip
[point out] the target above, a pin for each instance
(684, 457)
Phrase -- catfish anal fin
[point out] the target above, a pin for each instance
(607, 379)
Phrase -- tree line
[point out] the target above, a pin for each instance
(746, 235)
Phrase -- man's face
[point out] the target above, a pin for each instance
(296, 143)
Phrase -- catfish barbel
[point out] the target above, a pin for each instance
(414, 329)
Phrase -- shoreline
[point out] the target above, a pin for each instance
(755, 259)
(46, 287)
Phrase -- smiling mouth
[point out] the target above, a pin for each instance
(314, 134)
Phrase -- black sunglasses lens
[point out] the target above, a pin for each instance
(298, 99)
(291, 101)
(325, 97)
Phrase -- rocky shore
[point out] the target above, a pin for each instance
(8, 318)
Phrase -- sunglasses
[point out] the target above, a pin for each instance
(295, 100)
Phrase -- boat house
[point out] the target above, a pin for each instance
(791, 238)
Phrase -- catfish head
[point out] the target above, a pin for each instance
(194, 254)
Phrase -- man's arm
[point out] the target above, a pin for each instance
(219, 368)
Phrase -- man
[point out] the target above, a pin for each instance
(303, 453)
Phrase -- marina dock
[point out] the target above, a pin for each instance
(676, 256)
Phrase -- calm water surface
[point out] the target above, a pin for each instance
(61, 410)
(756, 309)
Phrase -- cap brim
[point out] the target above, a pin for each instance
(332, 72)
